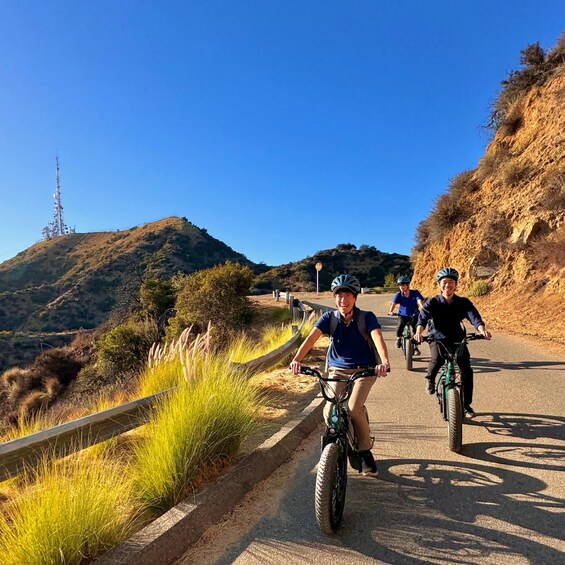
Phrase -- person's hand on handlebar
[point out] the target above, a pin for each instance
(484, 332)
(418, 335)
(295, 367)
(382, 369)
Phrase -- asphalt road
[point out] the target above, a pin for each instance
(501, 500)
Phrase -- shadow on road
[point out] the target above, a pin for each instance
(524, 426)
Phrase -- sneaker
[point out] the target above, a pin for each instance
(430, 386)
(469, 412)
(416, 351)
(368, 464)
(399, 342)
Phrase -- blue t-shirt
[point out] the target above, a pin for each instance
(408, 304)
(349, 349)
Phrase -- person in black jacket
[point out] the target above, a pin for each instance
(446, 311)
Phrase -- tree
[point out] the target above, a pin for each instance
(217, 295)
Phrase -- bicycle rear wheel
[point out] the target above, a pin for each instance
(331, 485)
(454, 419)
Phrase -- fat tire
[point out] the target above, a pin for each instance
(454, 419)
(331, 484)
(409, 351)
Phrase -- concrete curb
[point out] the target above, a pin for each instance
(167, 538)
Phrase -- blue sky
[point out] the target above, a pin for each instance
(283, 128)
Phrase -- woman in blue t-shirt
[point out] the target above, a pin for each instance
(349, 351)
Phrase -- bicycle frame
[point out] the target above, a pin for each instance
(340, 427)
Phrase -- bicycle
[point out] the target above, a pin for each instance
(338, 446)
(449, 390)
(408, 345)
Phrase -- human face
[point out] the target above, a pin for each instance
(345, 301)
(404, 287)
(447, 287)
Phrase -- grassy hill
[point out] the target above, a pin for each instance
(366, 262)
(76, 281)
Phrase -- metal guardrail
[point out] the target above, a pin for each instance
(78, 434)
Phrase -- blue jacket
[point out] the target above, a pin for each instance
(408, 304)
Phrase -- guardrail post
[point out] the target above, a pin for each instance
(287, 297)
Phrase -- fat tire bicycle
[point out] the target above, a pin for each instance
(408, 344)
(338, 446)
(449, 389)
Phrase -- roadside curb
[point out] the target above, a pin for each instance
(167, 538)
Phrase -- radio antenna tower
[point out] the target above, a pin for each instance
(57, 226)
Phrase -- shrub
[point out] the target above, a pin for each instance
(218, 296)
(58, 362)
(66, 513)
(124, 349)
(463, 184)
(156, 297)
(390, 279)
(513, 173)
(513, 119)
(423, 236)
(448, 212)
(199, 425)
(479, 288)
(554, 191)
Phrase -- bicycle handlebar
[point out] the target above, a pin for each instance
(361, 374)
(468, 337)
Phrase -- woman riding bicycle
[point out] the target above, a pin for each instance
(349, 351)
(446, 311)
(409, 301)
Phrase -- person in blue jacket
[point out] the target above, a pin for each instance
(447, 311)
(350, 351)
(410, 302)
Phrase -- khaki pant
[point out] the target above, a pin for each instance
(356, 404)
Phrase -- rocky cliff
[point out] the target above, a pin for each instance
(502, 224)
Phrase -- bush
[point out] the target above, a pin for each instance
(479, 288)
(554, 191)
(513, 173)
(124, 349)
(448, 212)
(464, 183)
(390, 279)
(217, 295)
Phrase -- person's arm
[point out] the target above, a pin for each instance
(378, 340)
(423, 318)
(475, 318)
(303, 350)
(395, 301)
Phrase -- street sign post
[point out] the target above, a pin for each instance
(318, 269)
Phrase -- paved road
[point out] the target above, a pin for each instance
(501, 500)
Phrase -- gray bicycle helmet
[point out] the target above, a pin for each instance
(403, 280)
(449, 273)
(346, 282)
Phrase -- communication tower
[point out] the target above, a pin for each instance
(56, 226)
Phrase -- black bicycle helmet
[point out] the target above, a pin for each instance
(447, 272)
(346, 282)
(403, 280)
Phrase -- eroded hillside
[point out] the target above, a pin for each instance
(502, 225)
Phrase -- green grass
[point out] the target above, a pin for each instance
(66, 512)
(479, 288)
(202, 423)
(243, 349)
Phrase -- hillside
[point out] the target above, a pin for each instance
(76, 281)
(368, 263)
(502, 224)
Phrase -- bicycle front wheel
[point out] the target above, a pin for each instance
(454, 419)
(331, 485)
(409, 352)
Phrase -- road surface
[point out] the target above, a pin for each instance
(501, 500)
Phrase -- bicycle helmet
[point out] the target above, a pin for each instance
(346, 282)
(403, 280)
(447, 272)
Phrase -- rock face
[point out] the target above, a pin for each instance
(510, 231)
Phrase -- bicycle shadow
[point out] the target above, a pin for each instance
(529, 455)
(523, 426)
(439, 511)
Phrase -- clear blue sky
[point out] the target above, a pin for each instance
(282, 127)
